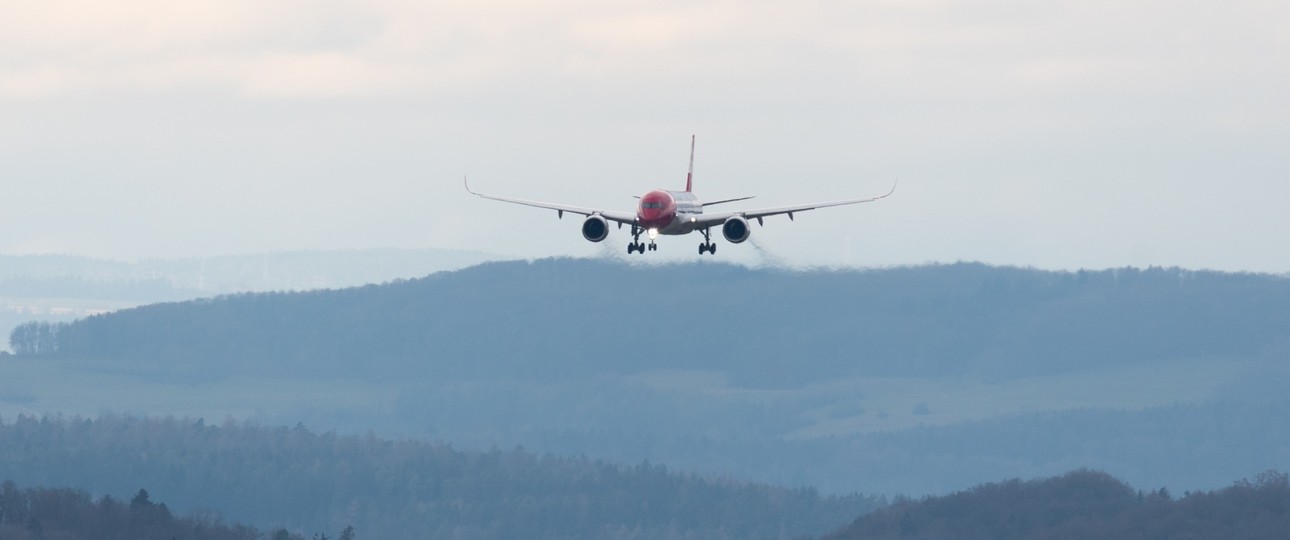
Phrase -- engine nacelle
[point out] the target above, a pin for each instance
(595, 228)
(736, 229)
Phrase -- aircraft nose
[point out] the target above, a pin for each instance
(652, 217)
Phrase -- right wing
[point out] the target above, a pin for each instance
(611, 215)
(708, 220)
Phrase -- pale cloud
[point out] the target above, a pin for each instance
(60, 47)
(107, 31)
(346, 49)
(282, 49)
(41, 81)
(327, 75)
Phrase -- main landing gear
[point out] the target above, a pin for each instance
(636, 245)
(707, 245)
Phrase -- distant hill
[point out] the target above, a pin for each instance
(902, 380)
(399, 489)
(1084, 504)
(563, 318)
(60, 288)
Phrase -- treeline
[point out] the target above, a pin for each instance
(71, 514)
(68, 514)
(35, 338)
(391, 489)
(1084, 504)
(554, 319)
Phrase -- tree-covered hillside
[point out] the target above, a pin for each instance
(393, 489)
(1084, 504)
(562, 318)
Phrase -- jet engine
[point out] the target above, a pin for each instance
(735, 229)
(595, 228)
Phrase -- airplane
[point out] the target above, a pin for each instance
(674, 213)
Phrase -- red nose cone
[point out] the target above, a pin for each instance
(656, 210)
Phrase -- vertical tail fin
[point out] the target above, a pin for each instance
(689, 176)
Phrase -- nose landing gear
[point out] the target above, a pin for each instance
(636, 246)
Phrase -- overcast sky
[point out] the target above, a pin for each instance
(1085, 134)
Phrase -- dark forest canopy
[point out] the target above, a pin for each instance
(392, 489)
(69, 514)
(1084, 504)
(553, 318)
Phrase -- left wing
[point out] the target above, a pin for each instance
(620, 217)
(708, 220)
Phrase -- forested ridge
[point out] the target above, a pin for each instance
(393, 489)
(558, 318)
(1084, 504)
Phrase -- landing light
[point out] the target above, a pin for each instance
(653, 233)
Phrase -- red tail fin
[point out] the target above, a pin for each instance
(689, 176)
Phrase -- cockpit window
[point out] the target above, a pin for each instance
(651, 205)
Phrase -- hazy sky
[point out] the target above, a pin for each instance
(1052, 134)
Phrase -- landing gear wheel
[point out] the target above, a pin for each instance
(636, 244)
(707, 245)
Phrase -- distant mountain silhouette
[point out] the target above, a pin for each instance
(568, 318)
